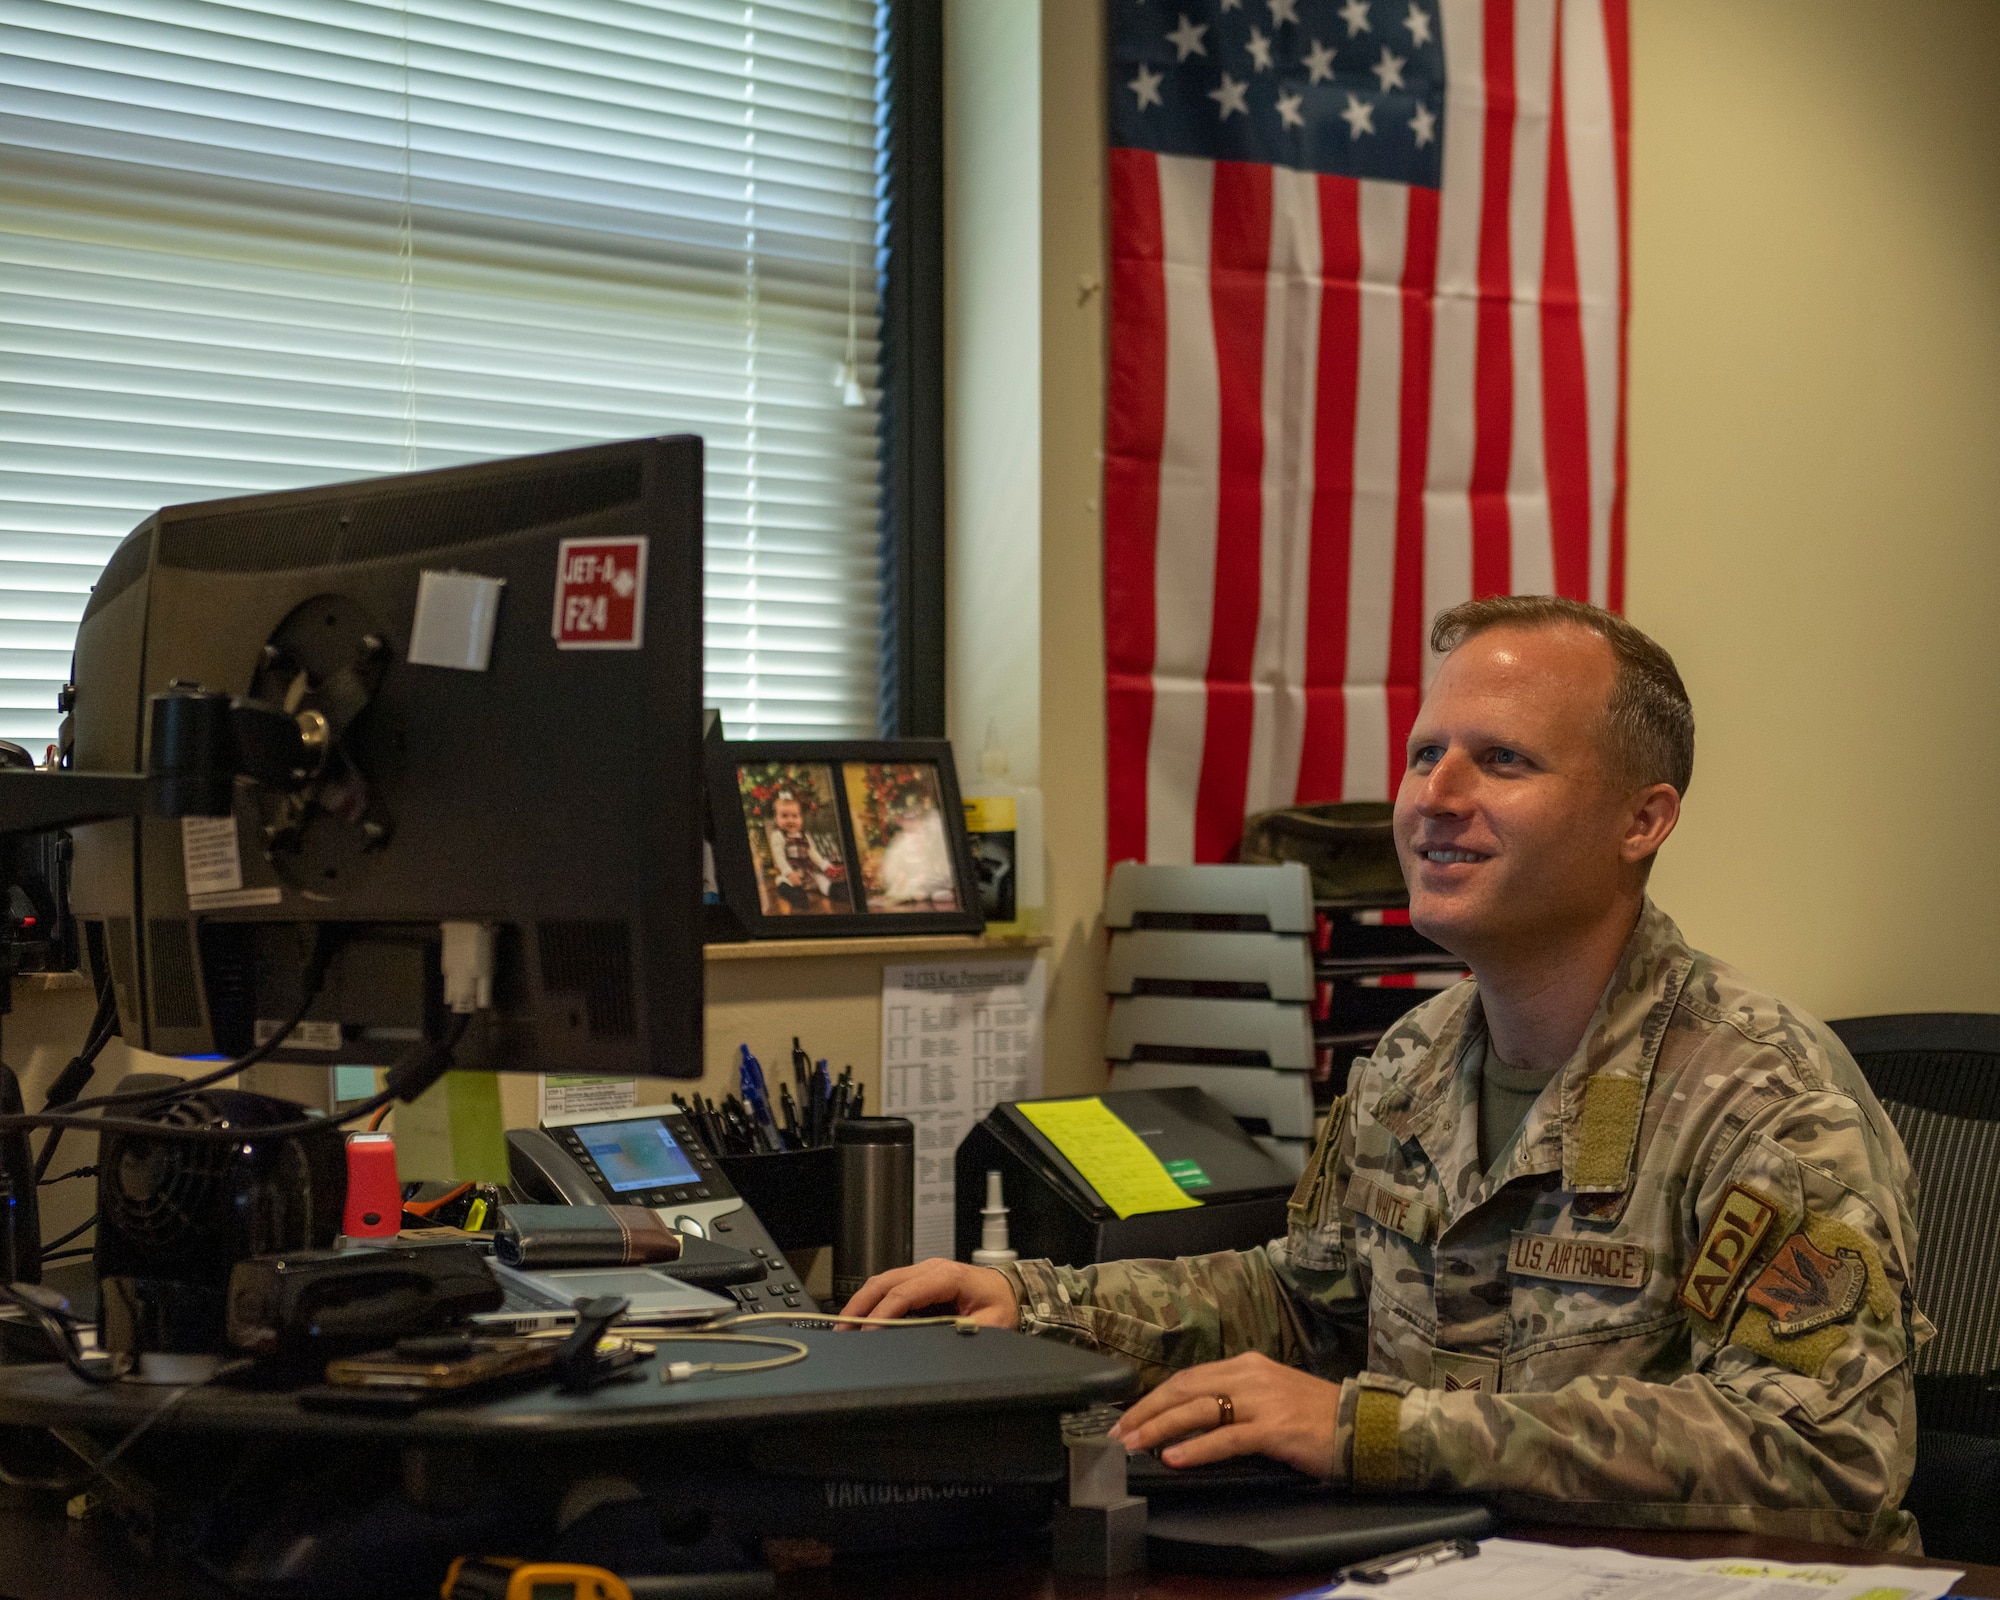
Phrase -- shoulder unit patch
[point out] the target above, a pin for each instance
(1725, 1251)
(1805, 1288)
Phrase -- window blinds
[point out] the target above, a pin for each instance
(254, 244)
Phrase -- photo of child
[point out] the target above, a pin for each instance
(794, 833)
(906, 855)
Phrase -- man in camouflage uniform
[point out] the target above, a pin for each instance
(1670, 1288)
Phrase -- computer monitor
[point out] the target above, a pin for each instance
(547, 784)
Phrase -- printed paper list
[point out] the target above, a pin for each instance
(957, 1039)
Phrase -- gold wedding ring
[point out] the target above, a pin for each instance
(1225, 1410)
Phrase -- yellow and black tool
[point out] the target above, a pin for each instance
(510, 1578)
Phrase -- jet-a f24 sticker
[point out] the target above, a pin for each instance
(600, 594)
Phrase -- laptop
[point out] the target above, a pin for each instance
(540, 1300)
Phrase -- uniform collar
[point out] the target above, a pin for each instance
(1586, 1122)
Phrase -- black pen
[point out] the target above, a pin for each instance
(785, 1106)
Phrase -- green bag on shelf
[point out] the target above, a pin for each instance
(1346, 845)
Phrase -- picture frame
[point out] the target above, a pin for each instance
(838, 838)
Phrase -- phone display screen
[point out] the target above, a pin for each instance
(637, 1155)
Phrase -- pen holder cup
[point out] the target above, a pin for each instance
(795, 1193)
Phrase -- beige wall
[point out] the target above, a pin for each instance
(1024, 164)
(1815, 482)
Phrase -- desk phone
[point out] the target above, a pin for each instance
(649, 1156)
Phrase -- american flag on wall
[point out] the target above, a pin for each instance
(1367, 360)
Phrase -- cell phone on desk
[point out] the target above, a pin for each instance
(649, 1156)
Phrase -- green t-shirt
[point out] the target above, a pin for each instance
(1505, 1094)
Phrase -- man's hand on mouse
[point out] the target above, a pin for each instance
(976, 1292)
(1271, 1409)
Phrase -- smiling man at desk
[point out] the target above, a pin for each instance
(1605, 1234)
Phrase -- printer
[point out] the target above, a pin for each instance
(1054, 1213)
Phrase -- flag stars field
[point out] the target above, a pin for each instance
(1230, 97)
(1187, 38)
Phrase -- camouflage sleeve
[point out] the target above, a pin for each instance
(1794, 1413)
(1283, 1300)
(1162, 1315)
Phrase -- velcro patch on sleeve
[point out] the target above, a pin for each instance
(1800, 1292)
(1378, 1440)
(1398, 1213)
(1602, 1263)
(1726, 1250)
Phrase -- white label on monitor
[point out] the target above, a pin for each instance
(229, 899)
(210, 862)
(453, 627)
(306, 1036)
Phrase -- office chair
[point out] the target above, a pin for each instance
(1937, 1074)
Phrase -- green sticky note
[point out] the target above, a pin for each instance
(353, 1083)
(453, 1132)
(1113, 1159)
(1188, 1174)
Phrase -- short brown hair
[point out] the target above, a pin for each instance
(1649, 723)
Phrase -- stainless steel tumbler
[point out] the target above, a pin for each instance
(877, 1199)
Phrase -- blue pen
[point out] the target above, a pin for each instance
(751, 1076)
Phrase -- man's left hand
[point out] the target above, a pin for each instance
(1276, 1411)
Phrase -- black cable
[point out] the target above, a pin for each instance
(82, 1067)
(74, 1233)
(57, 1331)
(68, 1255)
(415, 1072)
(310, 980)
(74, 1172)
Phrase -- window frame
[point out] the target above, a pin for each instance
(912, 700)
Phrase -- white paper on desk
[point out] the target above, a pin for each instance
(1518, 1569)
(958, 1037)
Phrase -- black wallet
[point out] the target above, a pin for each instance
(534, 1237)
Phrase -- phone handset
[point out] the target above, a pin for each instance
(545, 1173)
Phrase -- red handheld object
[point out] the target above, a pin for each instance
(374, 1196)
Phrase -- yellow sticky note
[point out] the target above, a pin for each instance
(1113, 1159)
(453, 1132)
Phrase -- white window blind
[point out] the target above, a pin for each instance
(256, 244)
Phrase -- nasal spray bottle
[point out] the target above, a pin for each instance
(994, 1250)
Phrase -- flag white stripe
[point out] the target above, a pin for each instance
(1184, 579)
(1454, 320)
(1593, 189)
(1385, 220)
(1291, 373)
(1531, 543)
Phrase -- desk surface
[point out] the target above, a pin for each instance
(44, 1558)
(881, 1374)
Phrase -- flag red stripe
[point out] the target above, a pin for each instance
(1322, 758)
(1406, 624)
(1134, 429)
(1493, 365)
(1618, 44)
(1565, 418)
(1239, 257)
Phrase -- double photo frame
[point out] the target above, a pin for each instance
(837, 838)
